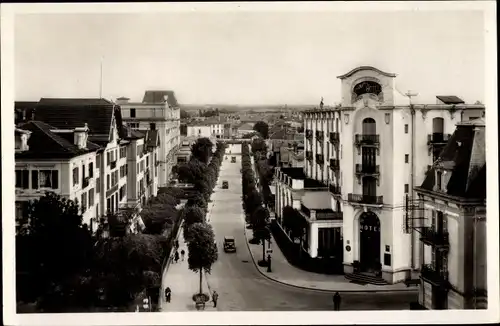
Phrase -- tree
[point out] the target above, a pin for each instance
(202, 250)
(259, 148)
(58, 245)
(198, 201)
(191, 215)
(184, 114)
(262, 128)
(260, 218)
(158, 217)
(202, 149)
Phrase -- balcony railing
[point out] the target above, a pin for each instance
(320, 159)
(367, 169)
(112, 165)
(309, 134)
(334, 137)
(336, 190)
(321, 215)
(334, 164)
(86, 182)
(438, 138)
(436, 277)
(112, 190)
(309, 155)
(361, 140)
(319, 135)
(365, 199)
(438, 239)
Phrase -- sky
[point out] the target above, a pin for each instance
(246, 58)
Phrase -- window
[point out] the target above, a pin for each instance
(108, 182)
(406, 128)
(98, 185)
(98, 161)
(91, 197)
(83, 172)
(152, 126)
(84, 202)
(75, 176)
(123, 152)
(147, 161)
(439, 176)
(126, 169)
(45, 179)
(407, 158)
(132, 113)
(91, 170)
(407, 187)
(108, 158)
(22, 179)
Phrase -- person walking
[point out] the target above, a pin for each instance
(167, 294)
(336, 301)
(176, 257)
(215, 297)
(182, 254)
(176, 244)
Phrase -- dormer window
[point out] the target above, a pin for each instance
(439, 180)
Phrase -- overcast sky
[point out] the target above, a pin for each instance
(246, 58)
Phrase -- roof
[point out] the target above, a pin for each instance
(294, 173)
(246, 126)
(44, 143)
(464, 157)
(155, 97)
(450, 99)
(355, 70)
(70, 113)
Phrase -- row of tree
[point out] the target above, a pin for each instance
(256, 214)
(202, 171)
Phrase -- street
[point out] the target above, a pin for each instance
(242, 287)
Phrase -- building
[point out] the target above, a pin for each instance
(159, 110)
(199, 130)
(371, 150)
(245, 128)
(62, 161)
(452, 223)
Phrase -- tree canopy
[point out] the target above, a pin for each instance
(202, 249)
(202, 149)
(262, 128)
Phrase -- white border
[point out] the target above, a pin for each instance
(411, 317)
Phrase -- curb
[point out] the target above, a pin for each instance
(316, 289)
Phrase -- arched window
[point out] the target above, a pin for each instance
(437, 129)
(337, 129)
(369, 127)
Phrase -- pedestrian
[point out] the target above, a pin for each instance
(176, 257)
(215, 296)
(182, 254)
(336, 301)
(167, 294)
(176, 244)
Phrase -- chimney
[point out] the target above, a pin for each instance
(21, 139)
(165, 98)
(81, 136)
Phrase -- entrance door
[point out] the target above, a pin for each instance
(369, 241)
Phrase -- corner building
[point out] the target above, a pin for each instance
(372, 150)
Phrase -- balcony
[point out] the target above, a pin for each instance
(112, 190)
(438, 139)
(438, 239)
(365, 199)
(367, 141)
(436, 277)
(309, 134)
(334, 164)
(86, 182)
(320, 159)
(309, 155)
(322, 214)
(112, 165)
(364, 169)
(336, 190)
(320, 135)
(334, 137)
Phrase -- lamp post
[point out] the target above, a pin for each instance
(269, 251)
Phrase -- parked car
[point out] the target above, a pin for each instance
(225, 185)
(233, 159)
(229, 244)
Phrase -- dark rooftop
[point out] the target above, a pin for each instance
(44, 143)
(450, 99)
(464, 156)
(156, 97)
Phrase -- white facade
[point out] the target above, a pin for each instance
(372, 152)
(163, 118)
(199, 131)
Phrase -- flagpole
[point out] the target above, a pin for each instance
(100, 80)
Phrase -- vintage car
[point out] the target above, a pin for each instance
(225, 185)
(233, 159)
(229, 244)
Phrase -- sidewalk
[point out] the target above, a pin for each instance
(285, 273)
(184, 283)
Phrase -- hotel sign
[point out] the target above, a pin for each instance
(370, 228)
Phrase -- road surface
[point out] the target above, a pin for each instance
(242, 287)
